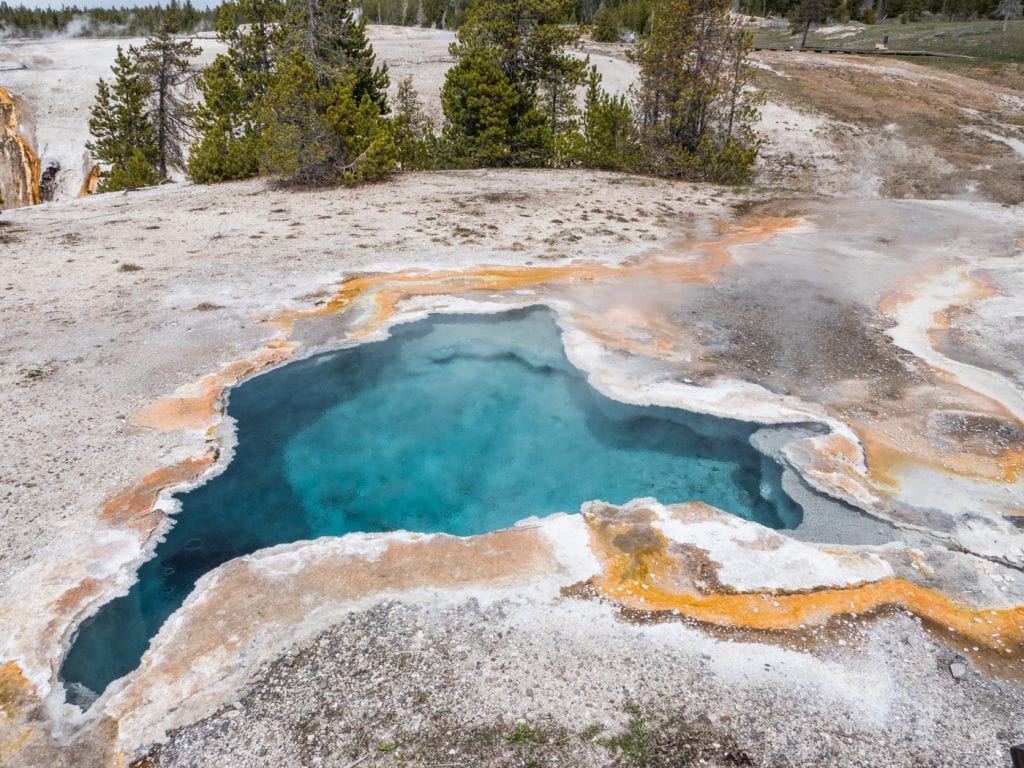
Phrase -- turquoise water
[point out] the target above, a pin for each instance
(458, 424)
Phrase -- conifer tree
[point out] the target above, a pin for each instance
(122, 134)
(517, 44)
(606, 24)
(808, 12)
(228, 118)
(527, 39)
(334, 44)
(695, 113)
(319, 133)
(251, 31)
(166, 65)
(137, 170)
(487, 121)
(324, 109)
(413, 130)
(557, 99)
(608, 135)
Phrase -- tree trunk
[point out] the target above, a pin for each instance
(807, 26)
(161, 116)
(735, 95)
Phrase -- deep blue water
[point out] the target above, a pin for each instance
(458, 424)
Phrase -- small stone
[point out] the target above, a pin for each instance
(958, 670)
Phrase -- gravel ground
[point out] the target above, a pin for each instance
(505, 686)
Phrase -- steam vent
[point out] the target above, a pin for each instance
(407, 457)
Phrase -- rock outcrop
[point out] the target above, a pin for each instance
(92, 180)
(19, 163)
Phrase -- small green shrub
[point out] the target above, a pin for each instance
(652, 737)
(525, 733)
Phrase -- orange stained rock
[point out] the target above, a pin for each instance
(632, 333)
(893, 446)
(200, 410)
(389, 289)
(840, 447)
(91, 182)
(15, 695)
(1012, 465)
(640, 572)
(30, 165)
(134, 507)
(13, 686)
(904, 442)
(500, 557)
(942, 319)
(906, 290)
(71, 600)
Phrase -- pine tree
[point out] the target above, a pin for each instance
(229, 135)
(525, 38)
(136, 171)
(806, 13)
(517, 44)
(695, 113)
(487, 121)
(557, 98)
(251, 31)
(166, 65)
(319, 134)
(227, 119)
(335, 45)
(608, 136)
(606, 24)
(413, 130)
(122, 134)
(324, 109)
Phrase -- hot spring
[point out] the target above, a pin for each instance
(455, 424)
